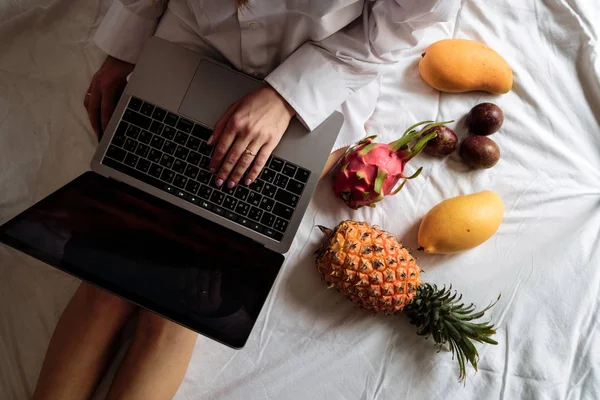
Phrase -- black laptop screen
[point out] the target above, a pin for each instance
(181, 266)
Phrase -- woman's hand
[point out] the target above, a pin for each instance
(104, 92)
(247, 134)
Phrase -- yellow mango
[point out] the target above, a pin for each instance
(461, 65)
(461, 223)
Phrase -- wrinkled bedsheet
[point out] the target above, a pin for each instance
(310, 343)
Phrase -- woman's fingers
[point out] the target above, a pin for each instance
(222, 147)
(222, 124)
(230, 161)
(245, 161)
(259, 161)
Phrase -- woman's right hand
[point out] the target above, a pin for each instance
(104, 92)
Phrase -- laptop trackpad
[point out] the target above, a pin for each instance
(212, 90)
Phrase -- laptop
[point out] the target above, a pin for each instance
(148, 223)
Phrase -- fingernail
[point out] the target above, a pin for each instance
(247, 181)
(209, 141)
(230, 184)
(213, 170)
(219, 182)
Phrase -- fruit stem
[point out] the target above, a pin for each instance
(412, 134)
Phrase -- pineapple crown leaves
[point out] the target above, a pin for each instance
(440, 314)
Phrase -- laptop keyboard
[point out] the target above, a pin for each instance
(170, 153)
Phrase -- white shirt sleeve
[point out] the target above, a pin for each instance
(127, 26)
(318, 77)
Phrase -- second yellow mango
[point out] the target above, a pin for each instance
(462, 65)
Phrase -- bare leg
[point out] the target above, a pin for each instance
(156, 361)
(82, 344)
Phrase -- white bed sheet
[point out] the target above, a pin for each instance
(311, 342)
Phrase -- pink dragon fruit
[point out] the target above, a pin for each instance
(369, 171)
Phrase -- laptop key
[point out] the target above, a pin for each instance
(181, 194)
(302, 175)
(137, 119)
(171, 119)
(169, 147)
(159, 114)
(180, 138)
(281, 180)
(205, 163)
(205, 204)
(185, 125)
(218, 210)
(280, 225)
(156, 127)
(295, 187)
(201, 132)
(132, 131)
(283, 211)
(267, 175)
(272, 234)
(191, 171)
(267, 204)
(157, 142)
(267, 219)
(289, 170)
(254, 199)
(230, 216)
(203, 176)
(168, 132)
(205, 149)
(179, 166)
(145, 136)
(242, 208)
(217, 197)
(167, 175)
(130, 145)
(193, 143)
(241, 193)
(276, 164)
(194, 158)
(257, 185)
(194, 199)
(181, 152)
(167, 161)
(269, 190)
(169, 189)
(286, 198)
(229, 203)
(205, 192)
(116, 153)
(180, 181)
(244, 221)
(119, 136)
(143, 165)
(226, 190)
(256, 227)
(192, 186)
(155, 155)
(255, 214)
(155, 170)
(135, 104)
(142, 150)
(131, 160)
(147, 109)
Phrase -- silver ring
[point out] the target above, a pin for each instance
(88, 94)
(249, 152)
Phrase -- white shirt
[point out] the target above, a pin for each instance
(315, 53)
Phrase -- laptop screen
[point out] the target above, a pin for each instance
(186, 268)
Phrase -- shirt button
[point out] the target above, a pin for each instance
(253, 25)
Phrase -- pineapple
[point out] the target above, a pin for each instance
(376, 272)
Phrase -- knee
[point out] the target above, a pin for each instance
(157, 328)
(99, 302)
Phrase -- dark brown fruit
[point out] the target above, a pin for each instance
(479, 152)
(485, 119)
(443, 144)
